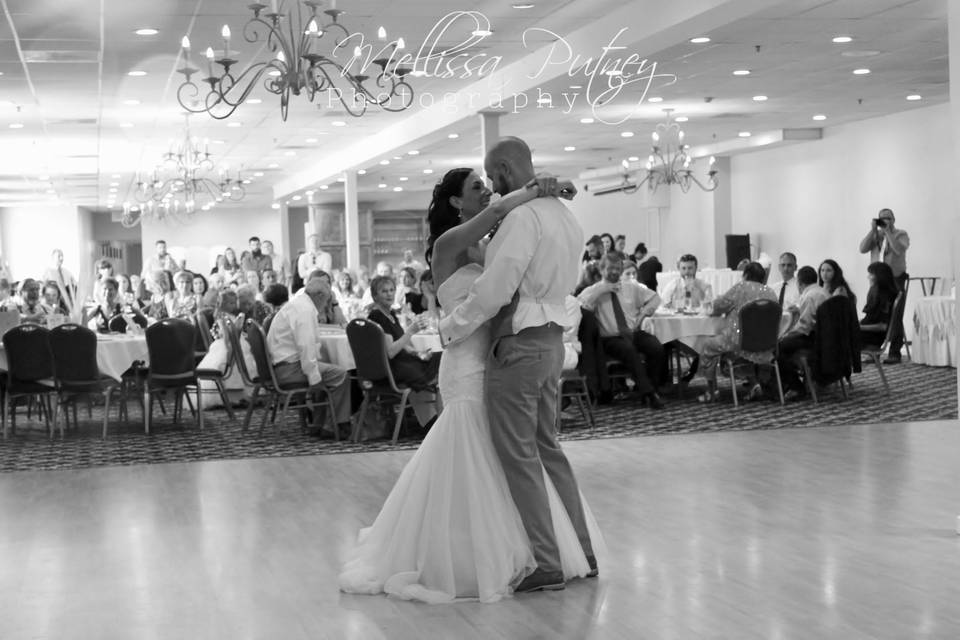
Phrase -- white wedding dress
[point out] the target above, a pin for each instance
(449, 529)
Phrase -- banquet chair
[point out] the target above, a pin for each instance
(118, 324)
(834, 312)
(170, 344)
(203, 326)
(287, 394)
(76, 373)
(876, 353)
(216, 376)
(759, 332)
(29, 372)
(231, 332)
(369, 348)
(573, 385)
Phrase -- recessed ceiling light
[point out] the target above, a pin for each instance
(655, 99)
(131, 102)
(362, 172)
(741, 72)
(126, 125)
(523, 6)
(569, 148)
(217, 142)
(398, 188)
(275, 205)
(136, 73)
(338, 123)
(297, 197)
(309, 192)
(234, 124)
(247, 181)
(744, 134)
(413, 152)
(700, 40)
(404, 178)
(115, 175)
(861, 72)
(147, 31)
(626, 134)
(381, 186)
(16, 125)
(254, 100)
(312, 140)
(45, 177)
(587, 120)
(914, 96)
(112, 184)
(633, 158)
(681, 118)
(290, 153)
(759, 98)
(384, 162)
(273, 165)
(112, 190)
(324, 186)
(428, 171)
(842, 39)
(341, 179)
(819, 117)
(453, 136)
(258, 174)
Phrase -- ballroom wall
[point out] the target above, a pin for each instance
(29, 234)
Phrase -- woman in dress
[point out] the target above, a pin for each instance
(449, 528)
(832, 280)
(879, 308)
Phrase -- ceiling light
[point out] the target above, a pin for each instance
(309, 192)
(341, 179)
(112, 184)
(626, 134)
(275, 205)
(297, 198)
(16, 125)
(217, 142)
(338, 123)
(324, 186)
(234, 124)
(453, 136)
(523, 6)
(115, 175)
(428, 171)
(136, 73)
(842, 39)
(634, 158)
(50, 191)
(681, 118)
(126, 125)
(362, 172)
(819, 117)
(384, 162)
(404, 178)
(744, 134)
(273, 165)
(398, 189)
(700, 40)
(413, 152)
(312, 140)
(381, 186)
(48, 177)
(655, 99)
(586, 121)
(247, 181)
(861, 72)
(569, 148)
(258, 174)
(112, 190)
(254, 100)
(668, 163)
(147, 31)
(290, 153)
(914, 96)
(742, 72)
(131, 102)
(759, 98)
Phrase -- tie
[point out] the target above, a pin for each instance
(622, 327)
(783, 290)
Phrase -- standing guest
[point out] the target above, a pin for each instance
(255, 259)
(314, 258)
(161, 261)
(293, 343)
(182, 303)
(728, 305)
(878, 312)
(65, 280)
(280, 266)
(410, 263)
(888, 244)
(250, 306)
(786, 288)
(801, 336)
(52, 302)
(648, 267)
(31, 307)
(231, 268)
(276, 295)
(620, 308)
(687, 291)
(832, 280)
(620, 246)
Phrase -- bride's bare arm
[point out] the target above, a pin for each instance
(453, 241)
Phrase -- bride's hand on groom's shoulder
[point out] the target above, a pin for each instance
(551, 186)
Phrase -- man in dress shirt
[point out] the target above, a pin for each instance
(163, 261)
(294, 344)
(620, 307)
(529, 268)
(687, 291)
(786, 288)
(66, 283)
(886, 243)
(801, 336)
(255, 259)
(315, 258)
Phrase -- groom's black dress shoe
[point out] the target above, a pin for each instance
(594, 572)
(541, 580)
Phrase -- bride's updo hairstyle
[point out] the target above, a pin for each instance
(441, 215)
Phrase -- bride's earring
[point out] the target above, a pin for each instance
(460, 214)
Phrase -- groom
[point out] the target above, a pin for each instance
(530, 266)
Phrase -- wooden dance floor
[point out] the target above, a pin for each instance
(842, 532)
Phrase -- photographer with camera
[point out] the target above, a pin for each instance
(886, 243)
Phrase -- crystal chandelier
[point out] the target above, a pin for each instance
(179, 187)
(669, 163)
(296, 66)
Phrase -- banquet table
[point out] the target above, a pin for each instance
(115, 353)
(335, 349)
(691, 330)
(935, 331)
(719, 279)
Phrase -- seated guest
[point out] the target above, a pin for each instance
(267, 278)
(750, 288)
(687, 292)
(52, 302)
(160, 286)
(620, 246)
(606, 243)
(276, 295)
(589, 276)
(252, 278)
(127, 295)
(294, 345)
(7, 303)
(743, 263)
(593, 253)
(629, 271)
(104, 269)
(786, 288)
(31, 307)
(647, 267)
(428, 293)
(801, 335)
(181, 303)
(250, 307)
(98, 318)
(328, 309)
(350, 304)
(200, 289)
(409, 262)
(879, 308)
(832, 280)
(383, 269)
(620, 307)
(408, 295)
(571, 338)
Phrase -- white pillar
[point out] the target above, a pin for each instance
(953, 40)
(489, 131)
(351, 220)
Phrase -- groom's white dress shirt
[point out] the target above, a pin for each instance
(534, 253)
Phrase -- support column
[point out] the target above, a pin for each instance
(953, 40)
(489, 131)
(351, 220)
(722, 213)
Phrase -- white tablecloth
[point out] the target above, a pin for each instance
(719, 279)
(115, 353)
(935, 331)
(691, 330)
(335, 349)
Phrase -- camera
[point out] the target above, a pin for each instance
(879, 222)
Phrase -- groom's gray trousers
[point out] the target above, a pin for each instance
(522, 378)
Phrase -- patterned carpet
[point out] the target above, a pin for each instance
(919, 393)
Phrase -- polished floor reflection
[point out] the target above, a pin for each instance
(841, 532)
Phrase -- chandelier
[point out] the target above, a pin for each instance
(669, 162)
(296, 65)
(179, 187)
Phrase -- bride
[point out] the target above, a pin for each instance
(449, 528)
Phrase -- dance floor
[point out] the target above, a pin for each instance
(842, 532)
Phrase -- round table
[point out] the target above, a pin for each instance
(720, 280)
(335, 349)
(691, 330)
(115, 353)
(935, 331)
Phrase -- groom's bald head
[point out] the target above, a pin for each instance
(509, 164)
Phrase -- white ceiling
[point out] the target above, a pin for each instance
(78, 133)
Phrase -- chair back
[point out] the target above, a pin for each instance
(231, 333)
(760, 325)
(896, 311)
(28, 353)
(203, 327)
(258, 346)
(267, 322)
(74, 349)
(369, 348)
(170, 343)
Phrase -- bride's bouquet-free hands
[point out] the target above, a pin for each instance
(553, 187)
